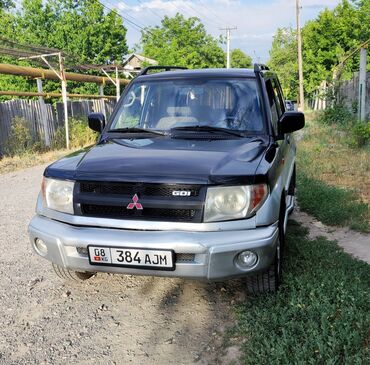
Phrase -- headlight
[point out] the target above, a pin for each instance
(58, 195)
(233, 202)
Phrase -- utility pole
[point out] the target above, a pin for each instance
(362, 86)
(118, 89)
(228, 30)
(300, 65)
(64, 97)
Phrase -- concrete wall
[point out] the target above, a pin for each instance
(348, 93)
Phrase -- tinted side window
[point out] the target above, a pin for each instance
(279, 96)
(273, 105)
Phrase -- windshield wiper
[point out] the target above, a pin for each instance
(210, 129)
(134, 130)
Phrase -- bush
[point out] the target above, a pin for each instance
(338, 115)
(20, 140)
(79, 135)
(360, 133)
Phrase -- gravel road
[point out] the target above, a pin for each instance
(110, 319)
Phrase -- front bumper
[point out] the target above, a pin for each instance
(214, 252)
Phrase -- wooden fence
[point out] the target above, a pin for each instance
(44, 119)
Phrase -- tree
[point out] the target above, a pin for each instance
(326, 41)
(239, 59)
(283, 60)
(331, 36)
(80, 28)
(182, 42)
(6, 4)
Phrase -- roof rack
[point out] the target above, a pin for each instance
(260, 67)
(165, 68)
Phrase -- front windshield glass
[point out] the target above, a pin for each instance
(165, 104)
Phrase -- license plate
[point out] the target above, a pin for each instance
(132, 257)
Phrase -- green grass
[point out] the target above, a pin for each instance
(320, 315)
(332, 205)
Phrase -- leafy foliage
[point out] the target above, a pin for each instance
(80, 135)
(321, 314)
(239, 59)
(326, 40)
(283, 59)
(79, 27)
(5, 4)
(20, 140)
(182, 42)
(338, 115)
(361, 134)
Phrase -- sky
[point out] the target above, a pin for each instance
(256, 21)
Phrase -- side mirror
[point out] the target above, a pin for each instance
(291, 122)
(96, 121)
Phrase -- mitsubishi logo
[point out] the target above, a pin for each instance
(134, 203)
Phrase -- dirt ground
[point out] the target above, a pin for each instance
(110, 319)
(354, 243)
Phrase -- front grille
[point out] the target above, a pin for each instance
(163, 190)
(110, 200)
(112, 211)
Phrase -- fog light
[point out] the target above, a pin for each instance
(82, 251)
(246, 259)
(41, 247)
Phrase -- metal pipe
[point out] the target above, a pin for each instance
(50, 75)
(54, 95)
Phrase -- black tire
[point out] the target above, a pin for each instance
(66, 274)
(270, 280)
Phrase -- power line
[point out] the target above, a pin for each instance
(208, 19)
(150, 9)
(130, 22)
(209, 9)
(199, 15)
(118, 11)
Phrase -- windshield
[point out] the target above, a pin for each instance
(166, 104)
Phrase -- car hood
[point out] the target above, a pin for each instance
(161, 159)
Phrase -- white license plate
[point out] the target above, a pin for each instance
(132, 257)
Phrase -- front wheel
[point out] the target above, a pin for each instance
(270, 280)
(267, 281)
(66, 274)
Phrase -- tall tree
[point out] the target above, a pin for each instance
(183, 42)
(80, 27)
(283, 60)
(332, 35)
(239, 59)
(6, 4)
(326, 40)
